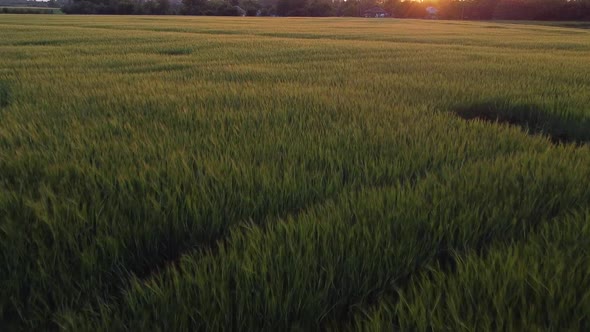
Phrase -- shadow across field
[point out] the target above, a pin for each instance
(46, 42)
(4, 94)
(562, 24)
(176, 51)
(572, 25)
(534, 119)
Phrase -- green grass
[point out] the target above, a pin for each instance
(192, 173)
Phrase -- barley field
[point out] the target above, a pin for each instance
(199, 173)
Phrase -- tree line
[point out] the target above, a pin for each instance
(446, 9)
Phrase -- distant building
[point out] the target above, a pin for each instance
(432, 13)
(375, 12)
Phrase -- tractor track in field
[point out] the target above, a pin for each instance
(213, 246)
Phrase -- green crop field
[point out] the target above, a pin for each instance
(193, 173)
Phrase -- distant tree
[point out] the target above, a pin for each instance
(320, 8)
(448, 9)
(250, 6)
(292, 7)
(81, 7)
(513, 10)
(283, 7)
(194, 7)
(413, 9)
(156, 7)
(487, 8)
(390, 6)
(127, 7)
(348, 8)
(366, 4)
(163, 7)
